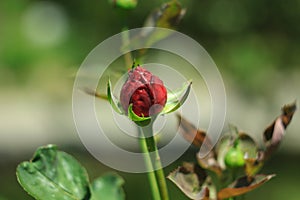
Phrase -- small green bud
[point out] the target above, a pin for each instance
(234, 158)
(125, 4)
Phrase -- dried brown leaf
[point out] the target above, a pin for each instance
(94, 93)
(167, 16)
(191, 134)
(209, 162)
(190, 179)
(199, 138)
(274, 133)
(253, 165)
(243, 185)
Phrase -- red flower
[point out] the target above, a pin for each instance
(144, 91)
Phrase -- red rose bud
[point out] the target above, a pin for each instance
(144, 91)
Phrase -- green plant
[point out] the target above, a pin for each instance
(230, 170)
(227, 172)
(54, 174)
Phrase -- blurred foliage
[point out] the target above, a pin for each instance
(246, 38)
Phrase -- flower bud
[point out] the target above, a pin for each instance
(125, 4)
(144, 91)
(234, 158)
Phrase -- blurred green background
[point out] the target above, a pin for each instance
(255, 44)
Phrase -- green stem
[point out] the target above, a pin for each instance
(148, 163)
(159, 173)
(125, 40)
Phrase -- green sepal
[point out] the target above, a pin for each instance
(141, 121)
(112, 100)
(173, 101)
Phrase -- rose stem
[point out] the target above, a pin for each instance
(148, 163)
(152, 147)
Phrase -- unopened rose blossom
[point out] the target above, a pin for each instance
(145, 91)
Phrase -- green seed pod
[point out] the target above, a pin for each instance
(234, 158)
(125, 4)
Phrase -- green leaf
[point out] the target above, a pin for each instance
(190, 179)
(173, 101)
(112, 100)
(141, 121)
(243, 185)
(108, 187)
(53, 174)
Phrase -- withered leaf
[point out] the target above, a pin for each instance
(209, 162)
(288, 113)
(243, 185)
(253, 165)
(94, 93)
(275, 132)
(199, 138)
(191, 180)
(191, 134)
(167, 16)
